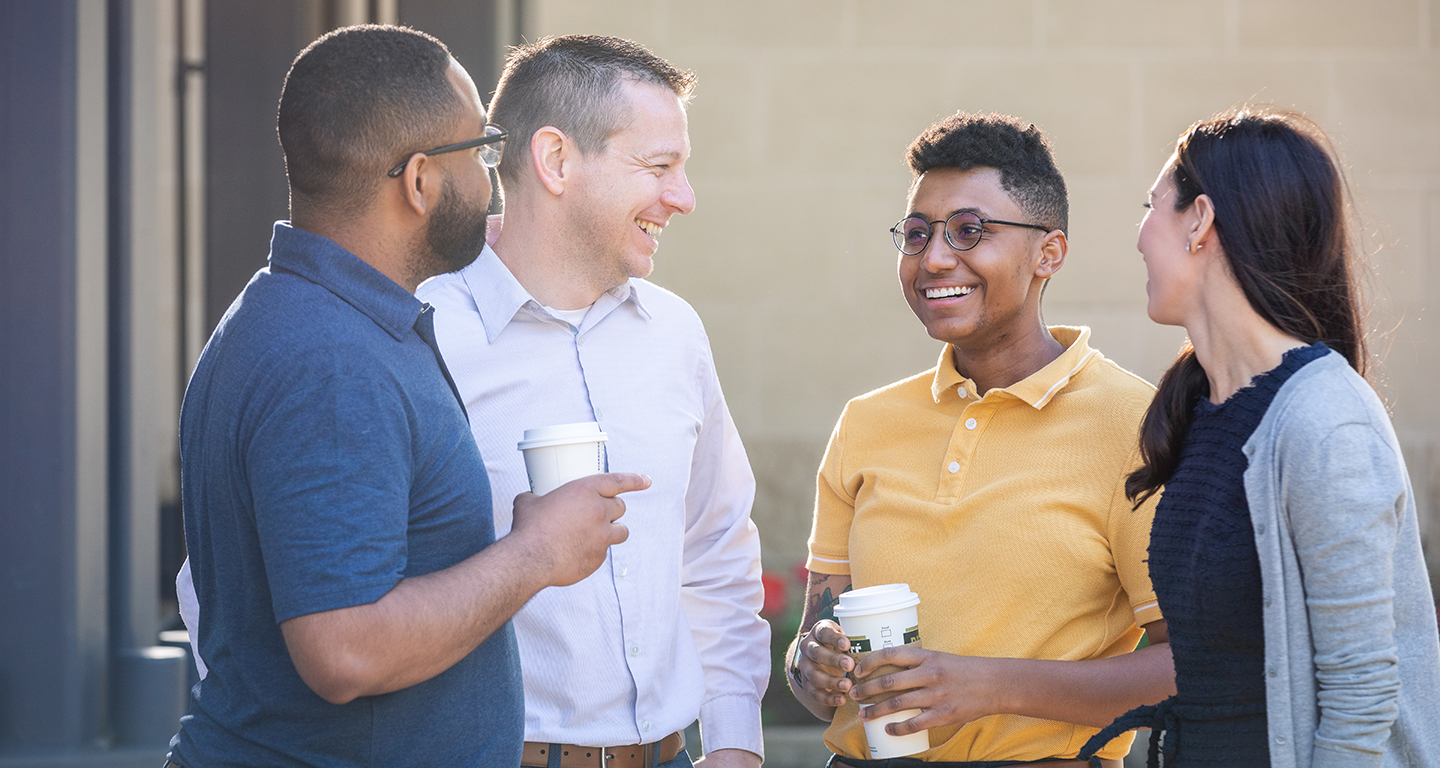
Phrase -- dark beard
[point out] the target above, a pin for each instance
(455, 234)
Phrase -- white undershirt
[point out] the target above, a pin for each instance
(572, 316)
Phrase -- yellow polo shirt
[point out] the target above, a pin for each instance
(1007, 515)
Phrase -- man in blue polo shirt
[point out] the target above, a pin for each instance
(354, 602)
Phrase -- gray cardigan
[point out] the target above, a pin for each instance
(1352, 652)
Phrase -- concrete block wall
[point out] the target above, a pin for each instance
(803, 111)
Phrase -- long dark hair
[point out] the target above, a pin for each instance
(1281, 215)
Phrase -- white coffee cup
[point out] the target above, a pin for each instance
(557, 454)
(883, 616)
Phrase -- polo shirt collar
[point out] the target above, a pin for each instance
(499, 296)
(321, 261)
(1038, 388)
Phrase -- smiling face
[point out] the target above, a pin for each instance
(978, 298)
(1163, 234)
(627, 191)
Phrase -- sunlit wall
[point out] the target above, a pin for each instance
(804, 108)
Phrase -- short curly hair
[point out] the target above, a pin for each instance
(1019, 150)
(356, 101)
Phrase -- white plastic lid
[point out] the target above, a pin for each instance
(877, 599)
(562, 434)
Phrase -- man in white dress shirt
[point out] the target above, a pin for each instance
(556, 325)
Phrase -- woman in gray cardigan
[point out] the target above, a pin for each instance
(1285, 551)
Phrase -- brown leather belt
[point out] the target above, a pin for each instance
(537, 754)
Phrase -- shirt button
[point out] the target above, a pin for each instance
(963, 393)
(645, 726)
(579, 341)
(954, 467)
(598, 415)
(1260, 529)
(1280, 740)
(635, 651)
(1267, 602)
(969, 423)
(1270, 671)
(624, 570)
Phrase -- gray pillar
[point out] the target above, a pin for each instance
(144, 308)
(147, 683)
(54, 644)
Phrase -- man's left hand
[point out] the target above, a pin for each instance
(729, 758)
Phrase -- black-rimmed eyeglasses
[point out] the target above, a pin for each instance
(962, 231)
(492, 146)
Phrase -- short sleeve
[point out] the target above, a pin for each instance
(1129, 544)
(834, 511)
(329, 467)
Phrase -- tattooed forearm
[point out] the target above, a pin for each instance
(822, 594)
(828, 602)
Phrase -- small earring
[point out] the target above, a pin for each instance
(1198, 246)
(1187, 247)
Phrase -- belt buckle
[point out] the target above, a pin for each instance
(648, 753)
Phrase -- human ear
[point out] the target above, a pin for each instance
(1053, 250)
(1202, 223)
(420, 183)
(550, 155)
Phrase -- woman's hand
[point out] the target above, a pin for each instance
(948, 689)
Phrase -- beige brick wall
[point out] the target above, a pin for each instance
(804, 108)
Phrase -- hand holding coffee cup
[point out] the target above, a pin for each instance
(823, 662)
(567, 532)
(874, 619)
(947, 688)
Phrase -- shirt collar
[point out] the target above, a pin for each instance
(629, 291)
(323, 262)
(1038, 388)
(499, 296)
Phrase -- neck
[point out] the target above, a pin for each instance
(1011, 359)
(546, 259)
(371, 238)
(1233, 343)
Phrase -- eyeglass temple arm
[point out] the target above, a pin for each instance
(395, 172)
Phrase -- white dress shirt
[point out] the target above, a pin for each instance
(668, 627)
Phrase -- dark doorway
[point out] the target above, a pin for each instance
(249, 47)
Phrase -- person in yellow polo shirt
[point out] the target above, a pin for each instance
(993, 484)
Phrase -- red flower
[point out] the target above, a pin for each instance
(775, 594)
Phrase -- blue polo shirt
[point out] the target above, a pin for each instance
(324, 457)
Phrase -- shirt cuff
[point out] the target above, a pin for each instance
(830, 566)
(1147, 613)
(731, 722)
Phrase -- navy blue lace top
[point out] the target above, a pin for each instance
(1206, 574)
